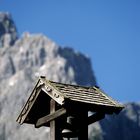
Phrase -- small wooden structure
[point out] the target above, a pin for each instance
(64, 108)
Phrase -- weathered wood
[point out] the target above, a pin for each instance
(50, 117)
(92, 97)
(54, 128)
(52, 123)
(84, 93)
(78, 100)
(95, 117)
(28, 105)
(89, 95)
(53, 93)
(87, 98)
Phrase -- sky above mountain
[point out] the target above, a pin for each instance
(108, 31)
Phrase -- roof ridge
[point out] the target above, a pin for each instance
(73, 85)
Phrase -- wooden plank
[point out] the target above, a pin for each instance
(50, 117)
(95, 101)
(53, 93)
(28, 105)
(55, 133)
(91, 102)
(95, 117)
(91, 97)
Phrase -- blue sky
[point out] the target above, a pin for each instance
(108, 31)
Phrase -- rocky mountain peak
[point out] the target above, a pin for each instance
(34, 55)
(8, 31)
(30, 56)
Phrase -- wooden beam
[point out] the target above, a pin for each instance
(52, 123)
(30, 102)
(50, 117)
(55, 133)
(95, 117)
(53, 93)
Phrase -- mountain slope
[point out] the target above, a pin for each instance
(125, 126)
(8, 31)
(23, 60)
(21, 64)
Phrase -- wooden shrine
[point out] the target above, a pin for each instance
(64, 108)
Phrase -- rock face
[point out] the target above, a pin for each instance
(21, 64)
(8, 33)
(125, 126)
(23, 60)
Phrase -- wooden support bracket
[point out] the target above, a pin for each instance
(95, 117)
(50, 117)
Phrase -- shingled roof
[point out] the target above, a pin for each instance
(91, 97)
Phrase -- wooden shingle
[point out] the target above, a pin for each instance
(91, 95)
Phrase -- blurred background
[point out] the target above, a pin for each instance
(106, 31)
(86, 42)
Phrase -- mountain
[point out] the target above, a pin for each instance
(21, 64)
(125, 126)
(23, 59)
(8, 31)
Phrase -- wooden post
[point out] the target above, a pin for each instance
(55, 133)
(83, 127)
(52, 123)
